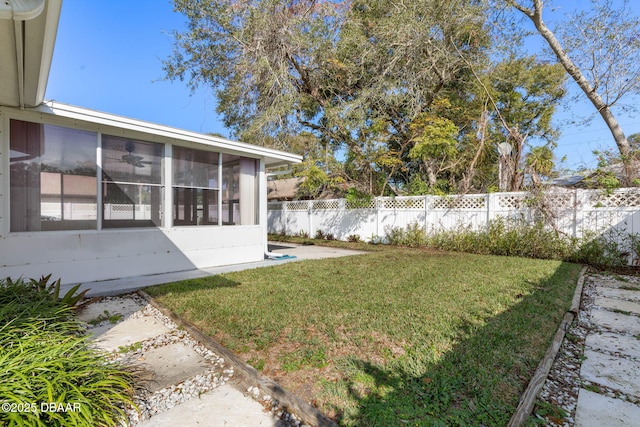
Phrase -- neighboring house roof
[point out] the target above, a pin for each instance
(27, 36)
(589, 178)
(283, 189)
(565, 181)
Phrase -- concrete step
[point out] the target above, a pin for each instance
(619, 373)
(172, 364)
(222, 406)
(622, 345)
(618, 305)
(632, 295)
(596, 410)
(615, 321)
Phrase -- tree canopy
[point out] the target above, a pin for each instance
(384, 96)
(600, 49)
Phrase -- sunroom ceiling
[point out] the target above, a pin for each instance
(27, 37)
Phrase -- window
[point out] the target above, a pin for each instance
(195, 187)
(53, 177)
(239, 190)
(55, 181)
(131, 183)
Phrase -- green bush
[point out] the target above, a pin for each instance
(517, 237)
(610, 249)
(47, 360)
(413, 235)
(354, 238)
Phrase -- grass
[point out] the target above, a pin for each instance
(104, 316)
(399, 335)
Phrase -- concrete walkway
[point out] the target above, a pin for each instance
(610, 373)
(132, 284)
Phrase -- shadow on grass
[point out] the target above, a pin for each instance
(186, 286)
(478, 382)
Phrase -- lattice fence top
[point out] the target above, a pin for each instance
(459, 202)
(402, 203)
(511, 201)
(361, 204)
(301, 205)
(559, 201)
(326, 204)
(626, 199)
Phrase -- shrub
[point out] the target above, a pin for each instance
(356, 199)
(610, 249)
(46, 359)
(413, 235)
(517, 237)
(354, 238)
(319, 235)
(506, 237)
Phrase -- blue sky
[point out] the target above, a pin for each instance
(108, 57)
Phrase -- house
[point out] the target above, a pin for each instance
(88, 196)
(279, 190)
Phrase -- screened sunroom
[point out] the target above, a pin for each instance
(91, 196)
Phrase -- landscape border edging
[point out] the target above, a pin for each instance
(528, 398)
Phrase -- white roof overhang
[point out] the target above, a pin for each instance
(110, 123)
(27, 36)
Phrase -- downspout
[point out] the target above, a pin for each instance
(274, 255)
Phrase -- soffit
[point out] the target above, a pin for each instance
(27, 37)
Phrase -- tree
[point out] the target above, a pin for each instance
(386, 86)
(355, 74)
(601, 52)
(539, 163)
(524, 92)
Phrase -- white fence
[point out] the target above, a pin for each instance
(574, 212)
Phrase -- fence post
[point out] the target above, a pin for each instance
(426, 213)
(341, 212)
(575, 213)
(376, 206)
(285, 217)
(310, 217)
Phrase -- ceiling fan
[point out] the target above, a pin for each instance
(133, 159)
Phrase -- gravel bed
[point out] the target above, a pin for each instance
(220, 373)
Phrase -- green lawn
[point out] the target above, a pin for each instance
(395, 337)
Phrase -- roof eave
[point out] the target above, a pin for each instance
(26, 50)
(273, 158)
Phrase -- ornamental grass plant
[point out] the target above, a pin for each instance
(50, 374)
(516, 237)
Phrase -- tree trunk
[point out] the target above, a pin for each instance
(432, 174)
(467, 177)
(603, 109)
